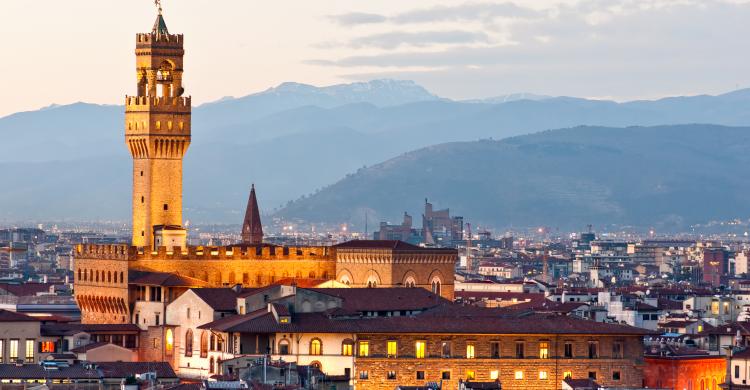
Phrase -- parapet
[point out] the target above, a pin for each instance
(146, 40)
(201, 253)
(157, 103)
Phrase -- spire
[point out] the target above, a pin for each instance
(160, 26)
(252, 229)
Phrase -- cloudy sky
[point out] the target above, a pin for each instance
(82, 50)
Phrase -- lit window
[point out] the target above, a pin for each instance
(315, 347)
(45, 347)
(346, 348)
(567, 375)
(519, 374)
(364, 375)
(419, 349)
(494, 374)
(392, 348)
(391, 375)
(469, 375)
(544, 350)
(2, 348)
(30, 344)
(542, 374)
(364, 348)
(470, 351)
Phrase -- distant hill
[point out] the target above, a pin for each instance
(290, 140)
(667, 176)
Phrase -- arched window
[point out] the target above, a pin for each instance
(347, 347)
(97, 276)
(218, 278)
(232, 277)
(436, 287)
(169, 344)
(212, 346)
(284, 347)
(189, 343)
(79, 274)
(703, 384)
(316, 347)
(211, 365)
(204, 344)
(311, 275)
(122, 277)
(713, 384)
(109, 276)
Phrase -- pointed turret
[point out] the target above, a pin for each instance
(160, 26)
(252, 229)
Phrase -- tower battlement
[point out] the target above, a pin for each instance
(152, 39)
(200, 253)
(158, 103)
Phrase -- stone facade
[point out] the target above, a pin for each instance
(384, 372)
(685, 372)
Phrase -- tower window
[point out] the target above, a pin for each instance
(142, 199)
(143, 233)
(141, 173)
(166, 207)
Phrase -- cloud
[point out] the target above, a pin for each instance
(357, 18)
(392, 40)
(467, 11)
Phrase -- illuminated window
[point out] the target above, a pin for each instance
(700, 328)
(469, 375)
(2, 349)
(170, 342)
(419, 349)
(30, 344)
(364, 375)
(347, 348)
(543, 374)
(544, 350)
(470, 351)
(204, 344)
(494, 374)
(364, 348)
(391, 375)
(315, 347)
(567, 374)
(519, 374)
(392, 348)
(188, 342)
(44, 347)
(13, 351)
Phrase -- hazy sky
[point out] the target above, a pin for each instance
(59, 51)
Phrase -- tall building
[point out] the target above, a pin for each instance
(438, 225)
(715, 266)
(157, 133)
(133, 283)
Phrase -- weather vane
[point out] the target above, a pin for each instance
(157, 3)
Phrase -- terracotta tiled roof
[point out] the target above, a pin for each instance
(383, 299)
(88, 347)
(322, 323)
(165, 279)
(11, 316)
(385, 244)
(125, 369)
(36, 371)
(26, 289)
(220, 299)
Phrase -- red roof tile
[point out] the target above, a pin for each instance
(11, 316)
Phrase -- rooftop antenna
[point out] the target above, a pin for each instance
(157, 3)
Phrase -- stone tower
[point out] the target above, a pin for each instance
(252, 229)
(157, 133)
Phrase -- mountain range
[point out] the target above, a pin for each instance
(70, 162)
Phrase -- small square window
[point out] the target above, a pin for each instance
(420, 375)
(364, 375)
(519, 374)
(445, 375)
(543, 374)
(592, 374)
(166, 207)
(615, 375)
(568, 375)
(470, 375)
(494, 374)
(391, 375)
